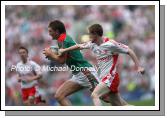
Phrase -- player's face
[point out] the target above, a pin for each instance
(93, 37)
(52, 33)
(23, 54)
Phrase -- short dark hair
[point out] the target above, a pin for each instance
(57, 25)
(96, 29)
(22, 47)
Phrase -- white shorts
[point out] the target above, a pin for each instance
(88, 79)
(112, 82)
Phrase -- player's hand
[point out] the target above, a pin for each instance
(47, 52)
(141, 70)
(30, 79)
(26, 79)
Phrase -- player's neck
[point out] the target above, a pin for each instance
(56, 37)
(24, 61)
(99, 41)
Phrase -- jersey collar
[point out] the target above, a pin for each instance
(105, 39)
(62, 37)
(26, 62)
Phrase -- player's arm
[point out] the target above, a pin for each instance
(32, 78)
(36, 77)
(74, 47)
(59, 58)
(135, 60)
(121, 48)
(37, 72)
(18, 78)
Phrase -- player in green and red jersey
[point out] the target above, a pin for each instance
(84, 78)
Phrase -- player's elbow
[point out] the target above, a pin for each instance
(61, 61)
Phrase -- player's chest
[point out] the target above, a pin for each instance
(101, 51)
(25, 69)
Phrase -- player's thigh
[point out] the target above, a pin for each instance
(68, 87)
(100, 90)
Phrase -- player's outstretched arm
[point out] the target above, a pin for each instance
(65, 50)
(136, 61)
(75, 47)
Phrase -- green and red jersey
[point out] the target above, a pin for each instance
(74, 58)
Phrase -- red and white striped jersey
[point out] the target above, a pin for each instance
(106, 54)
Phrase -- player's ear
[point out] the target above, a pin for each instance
(56, 32)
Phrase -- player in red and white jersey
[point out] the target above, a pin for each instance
(28, 74)
(107, 52)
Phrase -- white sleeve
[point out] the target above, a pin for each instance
(119, 47)
(86, 45)
(36, 68)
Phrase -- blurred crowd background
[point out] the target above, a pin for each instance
(131, 25)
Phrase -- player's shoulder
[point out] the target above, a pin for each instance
(34, 64)
(69, 41)
(31, 62)
(118, 44)
(68, 38)
(112, 42)
(107, 41)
